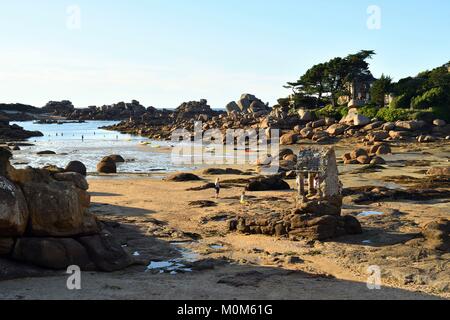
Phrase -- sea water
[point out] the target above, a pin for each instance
(87, 143)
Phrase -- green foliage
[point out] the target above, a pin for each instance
(369, 111)
(391, 114)
(401, 102)
(380, 89)
(329, 79)
(433, 97)
(332, 112)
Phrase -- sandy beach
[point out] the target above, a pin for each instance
(158, 221)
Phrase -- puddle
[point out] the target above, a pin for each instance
(216, 246)
(175, 266)
(370, 213)
(367, 242)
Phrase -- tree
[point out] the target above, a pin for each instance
(330, 79)
(380, 89)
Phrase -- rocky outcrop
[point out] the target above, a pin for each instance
(437, 235)
(45, 221)
(318, 214)
(59, 107)
(15, 132)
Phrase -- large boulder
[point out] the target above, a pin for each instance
(56, 210)
(106, 253)
(337, 129)
(114, 157)
(360, 120)
(272, 183)
(13, 209)
(183, 177)
(76, 166)
(232, 107)
(412, 125)
(289, 139)
(107, 165)
(52, 253)
(77, 179)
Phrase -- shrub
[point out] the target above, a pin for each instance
(391, 114)
(433, 97)
(401, 102)
(332, 112)
(369, 111)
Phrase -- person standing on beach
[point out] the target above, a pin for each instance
(217, 187)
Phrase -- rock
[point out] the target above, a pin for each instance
(232, 107)
(106, 253)
(412, 125)
(182, 177)
(380, 149)
(318, 208)
(389, 126)
(56, 211)
(77, 179)
(439, 171)
(272, 183)
(76, 166)
(289, 139)
(52, 253)
(6, 246)
(107, 165)
(373, 126)
(116, 158)
(347, 157)
(46, 152)
(360, 120)
(319, 123)
(307, 133)
(355, 154)
(425, 139)
(217, 171)
(287, 165)
(291, 158)
(264, 160)
(305, 115)
(14, 212)
(337, 129)
(378, 136)
(322, 228)
(285, 152)
(352, 225)
(439, 123)
(437, 235)
(363, 159)
(378, 161)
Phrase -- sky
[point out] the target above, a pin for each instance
(165, 52)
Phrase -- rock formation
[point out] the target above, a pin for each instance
(318, 213)
(45, 221)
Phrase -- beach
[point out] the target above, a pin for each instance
(160, 221)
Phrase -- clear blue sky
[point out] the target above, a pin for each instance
(164, 52)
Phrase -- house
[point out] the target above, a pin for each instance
(360, 91)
